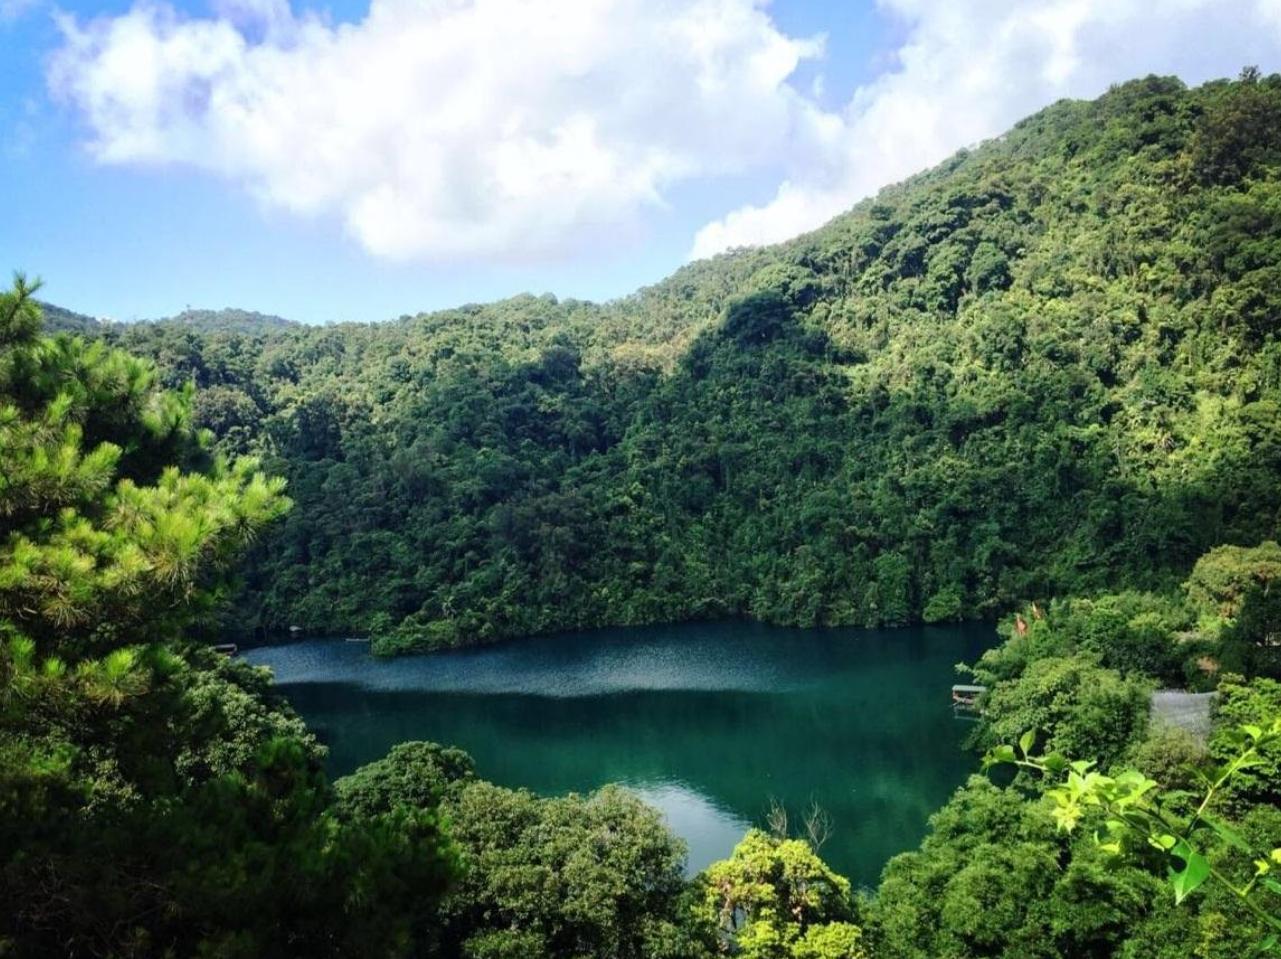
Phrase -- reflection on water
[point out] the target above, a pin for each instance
(708, 722)
(710, 830)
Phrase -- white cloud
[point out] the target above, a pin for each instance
(525, 128)
(444, 128)
(969, 69)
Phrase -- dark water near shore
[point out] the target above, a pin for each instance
(707, 722)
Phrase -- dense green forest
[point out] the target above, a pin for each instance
(157, 799)
(1048, 369)
(1047, 366)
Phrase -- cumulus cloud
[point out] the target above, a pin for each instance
(969, 69)
(514, 129)
(443, 128)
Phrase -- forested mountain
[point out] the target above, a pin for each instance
(1049, 365)
(160, 800)
(227, 320)
(1046, 366)
(58, 320)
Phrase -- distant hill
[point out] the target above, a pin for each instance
(229, 320)
(59, 319)
(1050, 365)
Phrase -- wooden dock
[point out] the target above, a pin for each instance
(966, 697)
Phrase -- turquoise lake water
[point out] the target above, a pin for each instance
(711, 723)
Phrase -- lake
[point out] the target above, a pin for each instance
(710, 723)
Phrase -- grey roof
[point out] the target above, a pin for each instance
(1190, 711)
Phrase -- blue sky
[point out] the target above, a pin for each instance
(324, 164)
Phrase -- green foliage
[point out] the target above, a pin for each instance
(994, 878)
(1252, 643)
(235, 866)
(1135, 814)
(1223, 578)
(1075, 706)
(1090, 864)
(102, 537)
(414, 774)
(596, 875)
(573, 876)
(1169, 755)
(1237, 592)
(775, 899)
(1239, 135)
(1252, 703)
(1048, 366)
(1135, 634)
(945, 606)
(1060, 863)
(156, 799)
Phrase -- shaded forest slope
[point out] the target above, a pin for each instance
(1049, 365)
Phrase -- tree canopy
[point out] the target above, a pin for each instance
(1047, 367)
(1042, 379)
(155, 798)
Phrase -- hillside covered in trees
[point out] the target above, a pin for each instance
(1042, 379)
(1049, 365)
(160, 800)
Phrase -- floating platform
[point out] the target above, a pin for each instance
(966, 696)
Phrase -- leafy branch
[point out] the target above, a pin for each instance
(1134, 808)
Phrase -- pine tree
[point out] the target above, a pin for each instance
(154, 800)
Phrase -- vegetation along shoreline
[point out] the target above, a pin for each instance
(1039, 384)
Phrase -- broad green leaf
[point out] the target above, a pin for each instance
(1026, 741)
(1055, 762)
(1196, 870)
(1003, 754)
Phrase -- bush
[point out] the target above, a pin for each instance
(775, 899)
(944, 606)
(1169, 755)
(1076, 706)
